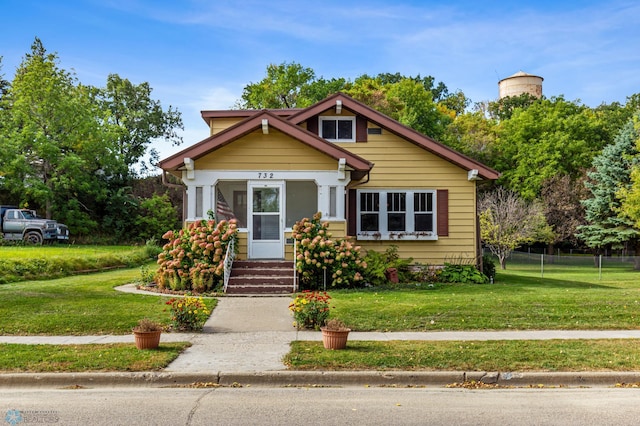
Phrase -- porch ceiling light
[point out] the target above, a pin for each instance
(265, 126)
(338, 107)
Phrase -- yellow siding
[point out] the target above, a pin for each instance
(275, 151)
(401, 164)
(219, 124)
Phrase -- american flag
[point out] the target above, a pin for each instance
(223, 211)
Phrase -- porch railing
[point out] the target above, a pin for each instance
(228, 262)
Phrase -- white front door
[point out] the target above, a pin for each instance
(265, 220)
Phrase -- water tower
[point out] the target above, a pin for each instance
(520, 83)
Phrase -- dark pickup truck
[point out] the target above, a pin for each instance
(23, 225)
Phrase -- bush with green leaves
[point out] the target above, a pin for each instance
(489, 266)
(463, 274)
(379, 263)
(317, 254)
(157, 214)
(193, 259)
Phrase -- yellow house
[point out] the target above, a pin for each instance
(370, 176)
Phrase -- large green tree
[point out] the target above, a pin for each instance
(606, 226)
(73, 151)
(417, 102)
(282, 87)
(551, 137)
(136, 120)
(630, 196)
(405, 99)
(473, 134)
(55, 144)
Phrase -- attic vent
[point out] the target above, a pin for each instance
(374, 131)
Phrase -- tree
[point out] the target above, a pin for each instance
(503, 108)
(507, 221)
(606, 225)
(561, 200)
(281, 88)
(56, 142)
(405, 100)
(551, 137)
(4, 84)
(474, 135)
(136, 120)
(157, 217)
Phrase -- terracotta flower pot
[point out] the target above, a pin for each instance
(334, 339)
(147, 339)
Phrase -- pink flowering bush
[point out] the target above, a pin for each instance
(193, 259)
(317, 252)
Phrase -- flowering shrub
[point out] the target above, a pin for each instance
(317, 252)
(188, 313)
(193, 259)
(310, 309)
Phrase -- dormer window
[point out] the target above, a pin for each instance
(338, 129)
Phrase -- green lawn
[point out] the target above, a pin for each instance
(566, 298)
(20, 263)
(78, 305)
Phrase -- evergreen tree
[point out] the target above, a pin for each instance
(606, 226)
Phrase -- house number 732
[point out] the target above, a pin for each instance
(265, 175)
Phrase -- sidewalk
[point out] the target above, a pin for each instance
(245, 339)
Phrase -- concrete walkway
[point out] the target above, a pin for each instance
(248, 337)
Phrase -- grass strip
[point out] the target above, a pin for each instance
(19, 358)
(517, 301)
(499, 355)
(79, 305)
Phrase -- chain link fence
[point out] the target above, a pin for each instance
(560, 262)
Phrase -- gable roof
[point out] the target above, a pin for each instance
(359, 166)
(398, 129)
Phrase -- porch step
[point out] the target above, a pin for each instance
(261, 277)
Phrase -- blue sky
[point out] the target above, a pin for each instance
(199, 54)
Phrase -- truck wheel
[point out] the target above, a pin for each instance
(33, 238)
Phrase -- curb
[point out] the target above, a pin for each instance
(318, 379)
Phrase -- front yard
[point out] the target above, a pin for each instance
(519, 299)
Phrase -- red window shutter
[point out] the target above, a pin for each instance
(442, 215)
(352, 214)
(312, 124)
(361, 129)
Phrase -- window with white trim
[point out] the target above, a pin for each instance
(338, 129)
(396, 214)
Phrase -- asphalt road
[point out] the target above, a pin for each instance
(320, 406)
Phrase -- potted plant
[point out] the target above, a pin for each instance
(147, 334)
(334, 334)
